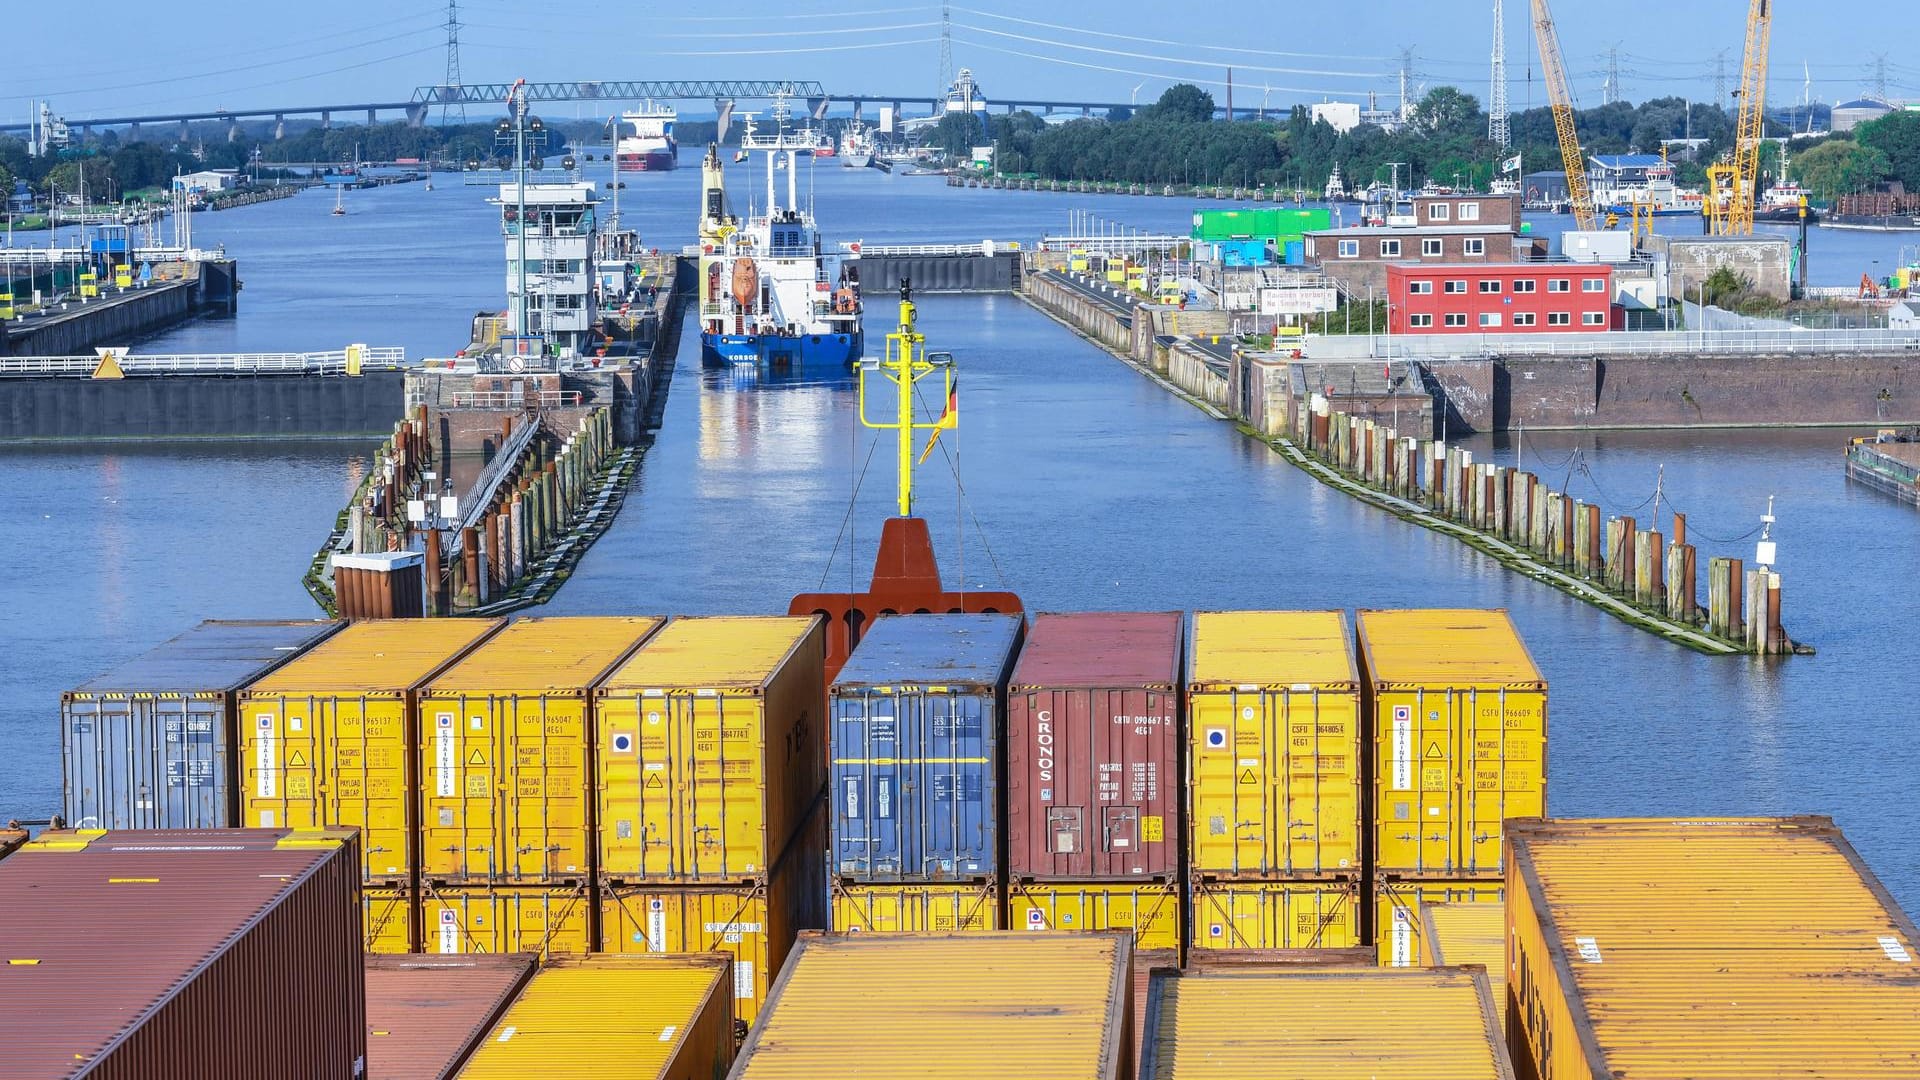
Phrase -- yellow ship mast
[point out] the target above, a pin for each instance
(907, 362)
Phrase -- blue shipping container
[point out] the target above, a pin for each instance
(150, 744)
(1296, 253)
(1243, 252)
(916, 746)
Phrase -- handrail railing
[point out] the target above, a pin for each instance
(1615, 343)
(312, 363)
(507, 399)
(478, 497)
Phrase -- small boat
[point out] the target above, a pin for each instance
(1888, 462)
(339, 208)
(429, 183)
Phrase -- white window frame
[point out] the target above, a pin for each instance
(1523, 318)
(1489, 319)
(1525, 285)
(1456, 287)
(1559, 285)
(1559, 318)
(1473, 245)
(1593, 285)
(1490, 286)
(1389, 249)
(1593, 318)
(1469, 211)
(1420, 288)
(1432, 246)
(1349, 249)
(1439, 212)
(1421, 320)
(1456, 318)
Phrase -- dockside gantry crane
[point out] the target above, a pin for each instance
(1732, 188)
(1554, 69)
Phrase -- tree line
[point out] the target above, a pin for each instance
(1444, 139)
(112, 166)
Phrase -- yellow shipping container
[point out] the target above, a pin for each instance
(754, 924)
(1751, 948)
(967, 1006)
(1459, 737)
(1150, 910)
(505, 748)
(1276, 914)
(712, 743)
(1454, 934)
(505, 919)
(326, 738)
(1324, 1023)
(920, 909)
(1274, 751)
(1396, 911)
(387, 920)
(614, 1018)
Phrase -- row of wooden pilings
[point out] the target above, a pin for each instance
(380, 523)
(531, 509)
(1641, 566)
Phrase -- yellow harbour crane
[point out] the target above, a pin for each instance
(1554, 69)
(1732, 188)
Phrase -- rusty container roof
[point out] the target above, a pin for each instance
(102, 929)
(1102, 649)
(425, 1014)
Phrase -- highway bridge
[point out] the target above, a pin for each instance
(723, 93)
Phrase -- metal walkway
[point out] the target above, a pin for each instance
(308, 363)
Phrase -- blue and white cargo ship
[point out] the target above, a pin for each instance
(771, 295)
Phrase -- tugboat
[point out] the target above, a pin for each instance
(771, 296)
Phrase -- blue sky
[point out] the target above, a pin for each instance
(256, 53)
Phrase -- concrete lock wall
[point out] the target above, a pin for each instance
(200, 406)
(1766, 261)
(103, 322)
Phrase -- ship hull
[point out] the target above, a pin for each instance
(661, 160)
(856, 160)
(779, 352)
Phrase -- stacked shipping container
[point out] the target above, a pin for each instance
(1740, 948)
(149, 744)
(229, 953)
(327, 739)
(1459, 722)
(1054, 1006)
(1455, 934)
(426, 1014)
(601, 1017)
(1093, 794)
(1323, 1023)
(706, 801)
(1273, 781)
(504, 761)
(915, 776)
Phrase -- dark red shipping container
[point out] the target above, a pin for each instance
(1093, 748)
(228, 954)
(426, 1014)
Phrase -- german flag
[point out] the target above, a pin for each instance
(948, 420)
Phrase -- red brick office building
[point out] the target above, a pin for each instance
(1501, 298)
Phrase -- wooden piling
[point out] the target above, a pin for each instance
(435, 596)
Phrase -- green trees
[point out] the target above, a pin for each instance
(1839, 167)
(1896, 135)
(1181, 103)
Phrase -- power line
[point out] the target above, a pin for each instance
(1315, 91)
(808, 49)
(732, 35)
(1139, 40)
(1158, 58)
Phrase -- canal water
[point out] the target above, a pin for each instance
(1079, 484)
